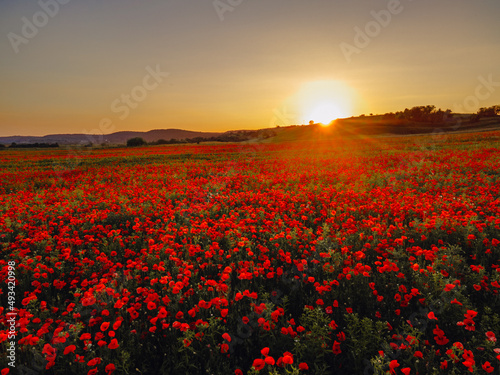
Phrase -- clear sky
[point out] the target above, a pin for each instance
(87, 66)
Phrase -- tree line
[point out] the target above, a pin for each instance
(31, 145)
(429, 114)
(232, 136)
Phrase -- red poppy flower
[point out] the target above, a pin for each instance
(85, 336)
(336, 348)
(49, 351)
(110, 368)
(94, 362)
(113, 344)
(491, 336)
(392, 365)
(487, 367)
(151, 305)
(117, 324)
(303, 366)
(269, 360)
(287, 359)
(69, 349)
(258, 364)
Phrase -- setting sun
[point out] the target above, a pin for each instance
(325, 112)
(323, 101)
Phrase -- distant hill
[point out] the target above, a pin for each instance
(349, 127)
(114, 138)
(363, 126)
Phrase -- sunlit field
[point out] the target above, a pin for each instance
(348, 256)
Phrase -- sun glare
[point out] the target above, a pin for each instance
(325, 113)
(323, 102)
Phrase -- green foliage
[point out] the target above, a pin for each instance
(135, 142)
(315, 343)
(364, 338)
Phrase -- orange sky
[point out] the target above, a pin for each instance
(95, 66)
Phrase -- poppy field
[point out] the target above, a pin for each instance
(343, 256)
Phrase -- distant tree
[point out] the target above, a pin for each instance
(426, 113)
(137, 141)
(197, 140)
(2, 145)
(161, 142)
(489, 111)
